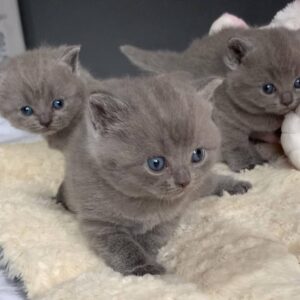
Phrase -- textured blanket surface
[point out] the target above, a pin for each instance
(233, 247)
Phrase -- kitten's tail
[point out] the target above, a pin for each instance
(152, 61)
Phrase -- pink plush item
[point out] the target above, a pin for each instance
(227, 20)
(287, 17)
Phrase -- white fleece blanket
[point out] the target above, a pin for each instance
(235, 247)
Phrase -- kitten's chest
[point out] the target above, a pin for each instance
(228, 115)
(151, 215)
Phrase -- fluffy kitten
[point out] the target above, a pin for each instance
(41, 91)
(143, 152)
(262, 83)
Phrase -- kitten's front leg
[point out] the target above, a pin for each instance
(239, 153)
(154, 239)
(216, 185)
(61, 198)
(120, 250)
(230, 185)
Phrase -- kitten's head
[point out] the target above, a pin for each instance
(152, 137)
(265, 68)
(40, 90)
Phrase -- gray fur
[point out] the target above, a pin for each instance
(126, 210)
(36, 78)
(247, 59)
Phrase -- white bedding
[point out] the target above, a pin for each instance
(9, 134)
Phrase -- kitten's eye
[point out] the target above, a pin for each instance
(27, 111)
(58, 103)
(297, 83)
(198, 155)
(269, 88)
(156, 163)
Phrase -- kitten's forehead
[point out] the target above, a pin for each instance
(167, 113)
(30, 68)
(36, 75)
(276, 53)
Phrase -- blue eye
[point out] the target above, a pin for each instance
(269, 88)
(27, 111)
(58, 103)
(156, 163)
(198, 155)
(297, 83)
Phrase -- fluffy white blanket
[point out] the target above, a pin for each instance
(234, 247)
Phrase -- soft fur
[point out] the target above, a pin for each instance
(127, 210)
(288, 17)
(247, 59)
(38, 77)
(230, 248)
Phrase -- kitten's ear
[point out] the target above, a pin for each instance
(70, 57)
(151, 61)
(238, 48)
(206, 87)
(105, 110)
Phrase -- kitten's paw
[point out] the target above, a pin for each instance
(257, 162)
(240, 159)
(237, 167)
(261, 161)
(153, 269)
(239, 187)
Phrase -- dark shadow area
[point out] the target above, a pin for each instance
(101, 26)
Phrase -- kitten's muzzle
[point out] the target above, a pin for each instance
(286, 98)
(182, 177)
(45, 120)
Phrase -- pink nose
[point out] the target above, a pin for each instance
(182, 178)
(45, 120)
(183, 184)
(286, 98)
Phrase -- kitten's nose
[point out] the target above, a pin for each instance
(45, 120)
(182, 177)
(286, 98)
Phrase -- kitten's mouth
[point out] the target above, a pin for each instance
(174, 194)
(47, 131)
(290, 108)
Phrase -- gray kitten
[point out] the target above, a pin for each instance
(43, 91)
(262, 83)
(143, 152)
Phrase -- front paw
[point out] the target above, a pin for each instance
(153, 269)
(239, 187)
(238, 165)
(240, 157)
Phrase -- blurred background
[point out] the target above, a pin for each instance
(101, 26)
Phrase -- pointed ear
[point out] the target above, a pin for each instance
(151, 61)
(105, 110)
(238, 48)
(206, 87)
(70, 57)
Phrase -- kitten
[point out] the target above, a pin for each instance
(43, 92)
(262, 83)
(143, 152)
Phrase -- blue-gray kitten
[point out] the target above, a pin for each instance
(143, 152)
(43, 91)
(261, 68)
